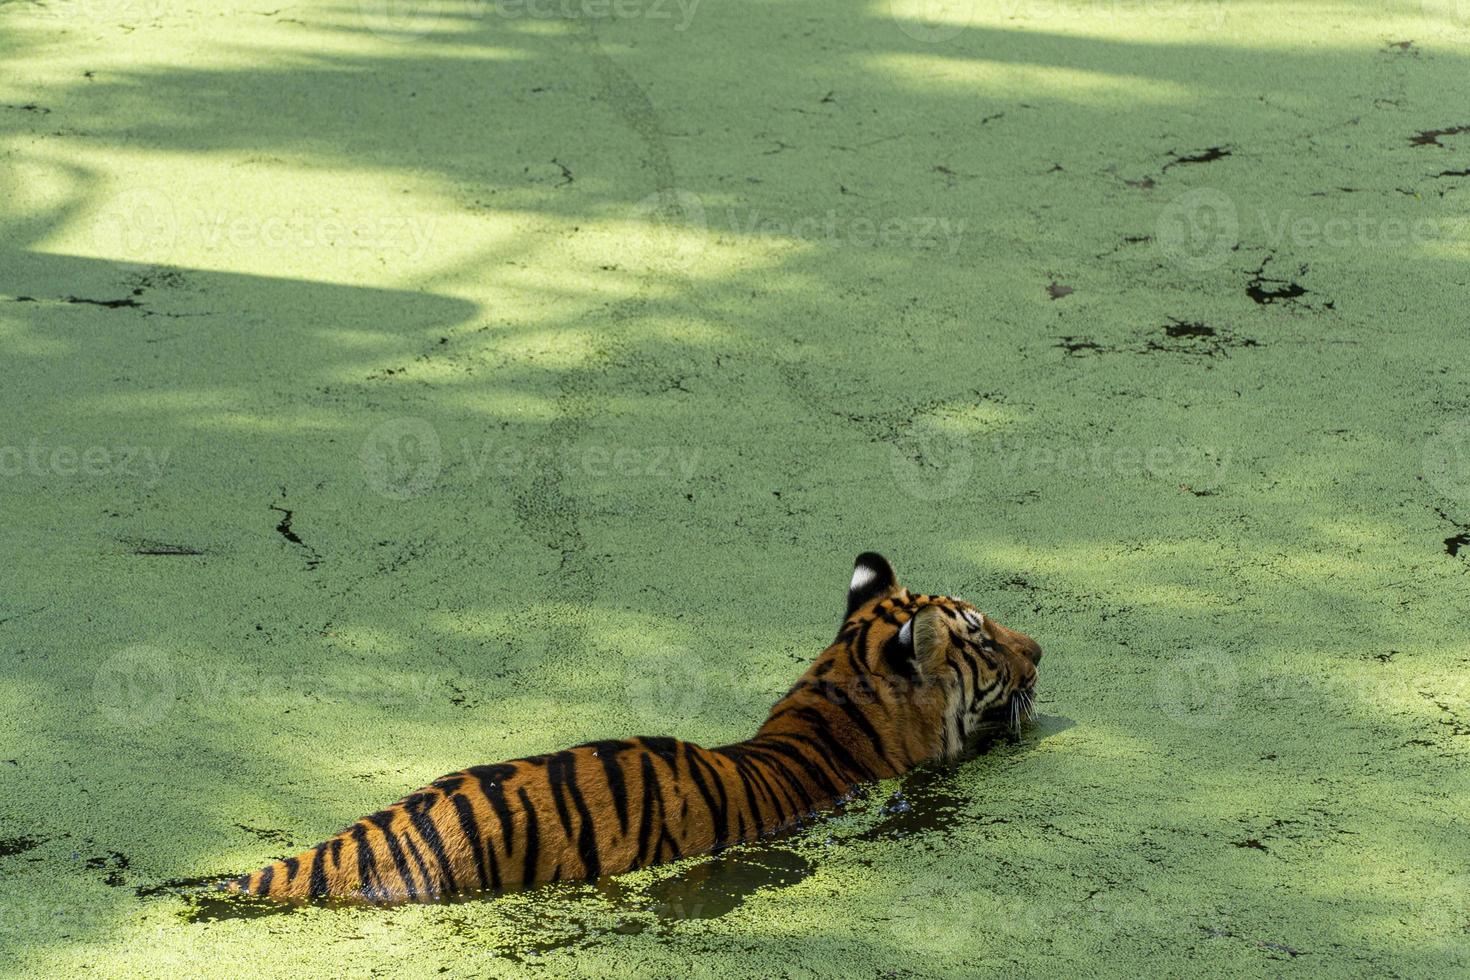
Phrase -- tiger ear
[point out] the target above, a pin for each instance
(927, 638)
(918, 649)
(872, 576)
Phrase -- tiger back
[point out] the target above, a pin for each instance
(907, 680)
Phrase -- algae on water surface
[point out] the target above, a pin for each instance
(391, 388)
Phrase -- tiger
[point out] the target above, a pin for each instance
(907, 681)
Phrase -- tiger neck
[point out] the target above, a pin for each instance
(830, 747)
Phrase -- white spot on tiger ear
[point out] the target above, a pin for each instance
(861, 576)
(906, 633)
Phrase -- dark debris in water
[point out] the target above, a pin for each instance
(1194, 337)
(1081, 345)
(269, 835)
(1454, 542)
(1180, 336)
(178, 886)
(114, 863)
(216, 906)
(1431, 137)
(148, 547)
(208, 902)
(1265, 290)
(1209, 155)
(111, 304)
(284, 529)
(1180, 328)
(18, 845)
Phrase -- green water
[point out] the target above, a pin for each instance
(392, 388)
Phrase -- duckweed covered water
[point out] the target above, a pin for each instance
(393, 390)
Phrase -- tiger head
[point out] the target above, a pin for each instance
(931, 668)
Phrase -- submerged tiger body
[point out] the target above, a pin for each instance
(907, 680)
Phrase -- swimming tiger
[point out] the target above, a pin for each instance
(908, 678)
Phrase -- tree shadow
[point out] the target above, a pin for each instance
(393, 533)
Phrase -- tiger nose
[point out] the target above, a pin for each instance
(1031, 649)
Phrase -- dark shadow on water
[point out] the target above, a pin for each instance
(928, 800)
(290, 375)
(212, 907)
(715, 886)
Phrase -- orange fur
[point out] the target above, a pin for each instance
(878, 701)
